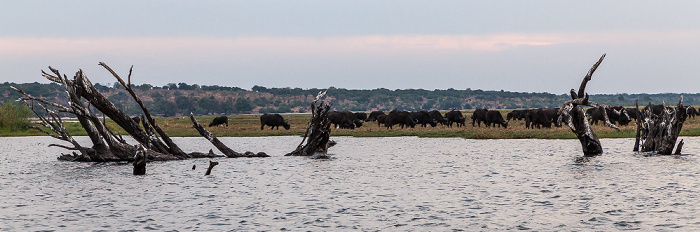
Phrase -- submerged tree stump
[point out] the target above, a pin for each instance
(317, 136)
(140, 161)
(572, 114)
(211, 166)
(659, 133)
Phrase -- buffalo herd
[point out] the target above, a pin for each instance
(534, 118)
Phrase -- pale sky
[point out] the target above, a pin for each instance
(522, 46)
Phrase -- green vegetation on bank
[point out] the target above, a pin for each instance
(14, 119)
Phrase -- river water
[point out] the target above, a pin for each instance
(371, 184)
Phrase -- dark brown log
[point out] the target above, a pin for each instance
(211, 166)
(317, 136)
(219, 145)
(679, 148)
(572, 114)
(140, 161)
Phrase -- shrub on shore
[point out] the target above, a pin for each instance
(13, 117)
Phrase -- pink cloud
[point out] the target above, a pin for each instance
(205, 47)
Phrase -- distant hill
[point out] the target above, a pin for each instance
(182, 98)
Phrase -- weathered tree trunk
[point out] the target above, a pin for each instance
(573, 115)
(106, 146)
(660, 132)
(221, 146)
(171, 146)
(140, 161)
(211, 166)
(317, 136)
(638, 134)
(679, 148)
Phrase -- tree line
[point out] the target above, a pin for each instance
(182, 98)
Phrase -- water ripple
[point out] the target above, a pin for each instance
(372, 184)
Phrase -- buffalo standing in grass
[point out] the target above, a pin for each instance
(516, 115)
(633, 113)
(341, 120)
(273, 121)
(423, 118)
(616, 114)
(437, 116)
(657, 109)
(552, 115)
(494, 117)
(692, 111)
(219, 121)
(353, 117)
(362, 116)
(479, 116)
(403, 118)
(373, 116)
(381, 119)
(455, 116)
(537, 118)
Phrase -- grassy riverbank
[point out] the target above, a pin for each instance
(249, 126)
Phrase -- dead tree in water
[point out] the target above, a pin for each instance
(573, 115)
(318, 133)
(219, 145)
(140, 161)
(658, 133)
(105, 145)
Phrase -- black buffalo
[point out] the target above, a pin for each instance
(479, 116)
(437, 116)
(423, 118)
(494, 117)
(403, 118)
(633, 113)
(552, 115)
(455, 116)
(353, 118)
(219, 121)
(616, 114)
(381, 119)
(691, 111)
(537, 118)
(516, 115)
(373, 116)
(362, 116)
(341, 120)
(657, 109)
(273, 121)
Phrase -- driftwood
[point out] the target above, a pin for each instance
(572, 114)
(140, 161)
(211, 166)
(221, 146)
(106, 146)
(317, 136)
(658, 133)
